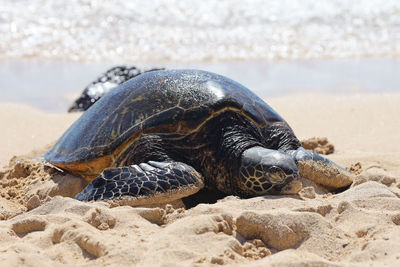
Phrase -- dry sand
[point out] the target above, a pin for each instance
(360, 226)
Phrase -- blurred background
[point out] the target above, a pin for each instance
(51, 49)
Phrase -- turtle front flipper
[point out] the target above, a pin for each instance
(320, 170)
(144, 184)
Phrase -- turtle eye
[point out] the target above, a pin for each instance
(274, 169)
(276, 175)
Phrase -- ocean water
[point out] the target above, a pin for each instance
(51, 49)
(193, 30)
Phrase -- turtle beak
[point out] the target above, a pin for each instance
(291, 186)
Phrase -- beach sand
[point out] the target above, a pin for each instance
(41, 225)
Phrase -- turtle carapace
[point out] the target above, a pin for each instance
(166, 134)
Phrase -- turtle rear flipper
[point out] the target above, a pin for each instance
(144, 184)
(320, 170)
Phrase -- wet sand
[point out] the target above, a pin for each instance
(41, 224)
(53, 85)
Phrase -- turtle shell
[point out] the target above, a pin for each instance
(158, 102)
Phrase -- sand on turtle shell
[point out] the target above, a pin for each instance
(42, 225)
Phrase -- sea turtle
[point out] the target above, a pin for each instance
(166, 134)
(104, 83)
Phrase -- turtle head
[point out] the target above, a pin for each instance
(265, 171)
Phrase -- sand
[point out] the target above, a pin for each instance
(42, 225)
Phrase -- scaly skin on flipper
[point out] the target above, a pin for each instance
(320, 170)
(145, 184)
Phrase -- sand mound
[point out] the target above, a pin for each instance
(320, 145)
(40, 218)
(26, 183)
(358, 225)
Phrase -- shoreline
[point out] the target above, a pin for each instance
(53, 85)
